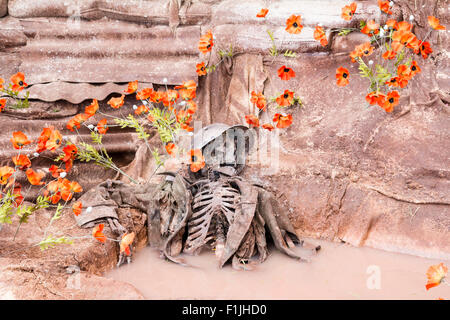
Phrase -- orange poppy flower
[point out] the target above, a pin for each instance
(35, 177)
(252, 120)
(141, 109)
(366, 49)
(192, 107)
(286, 73)
(132, 87)
(187, 90)
(116, 103)
(91, 109)
(285, 99)
(404, 72)
(376, 98)
(434, 23)
(342, 76)
(196, 159)
(391, 101)
(22, 161)
(97, 233)
(394, 82)
(170, 97)
(294, 24)
(206, 42)
(268, 126)
(54, 141)
(259, 100)
(1, 83)
(55, 171)
(102, 127)
(171, 148)
(384, 6)
(371, 28)
(283, 121)
(144, 94)
(435, 275)
(125, 243)
(414, 68)
(183, 116)
(68, 188)
(186, 127)
(17, 194)
(69, 152)
(18, 82)
(19, 140)
(43, 138)
(76, 121)
(424, 49)
(389, 55)
(5, 173)
(77, 207)
(319, 35)
(402, 38)
(392, 23)
(262, 13)
(348, 11)
(403, 26)
(157, 96)
(201, 69)
(2, 104)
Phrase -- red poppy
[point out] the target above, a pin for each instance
(252, 120)
(76, 121)
(424, 49)
(43, 138)
(55, 171)
(192, 107)
(391, 101)
(141, 109)
(18, 82)
(5, 173)
(371, 28)
(19, 140)
(116, 103)
(384, 6)
(402, 38)
(187, 90)
(1, 83)
(170, 97)
(319, 35)
(404, 73)
(77, 208)
(125, 243)
(35, 177)
(376, 98)
(2, 104)
(262, 13)
(144, 94)
(414, 68)
(97, 233)
(389, 55)
(102, 127)
(342, 76)
(171, 148)
(201, 69)
(206, 42)
(395, 82)
(17, 194)
(91, 109)
(259, 100)
(404, 26)
(22, 161)
(283, 121)
(434, 23)
(268, 126)
(392, 24)
(196, 159)
(435, 275)
(294, 24)
(54, 141)
(132, 87)
(157, 96)
(348, 11)
(69, 152)
(286, 73)
(285, 99)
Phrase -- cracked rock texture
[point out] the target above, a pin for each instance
(345, 171)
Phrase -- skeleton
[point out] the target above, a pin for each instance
(213, 208)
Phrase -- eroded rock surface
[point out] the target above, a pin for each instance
(347, 171)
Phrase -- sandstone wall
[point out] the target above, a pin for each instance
(349, 172)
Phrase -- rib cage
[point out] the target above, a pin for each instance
(213, 210)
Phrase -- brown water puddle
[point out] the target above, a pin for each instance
(339, 271)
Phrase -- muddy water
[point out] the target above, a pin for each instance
(339, 271)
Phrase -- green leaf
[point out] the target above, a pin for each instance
(51, 242)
